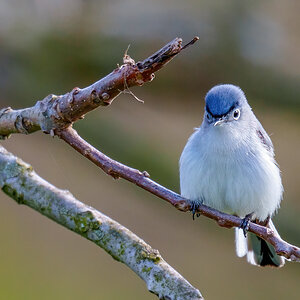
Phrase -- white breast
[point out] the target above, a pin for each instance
(232, 174)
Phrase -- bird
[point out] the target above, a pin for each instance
(228, 164)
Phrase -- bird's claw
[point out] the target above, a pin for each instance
(245, 224)
(194, 208)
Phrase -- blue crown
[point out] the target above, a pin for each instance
(222, 99)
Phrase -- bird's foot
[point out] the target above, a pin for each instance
(245, 223)
(195, 204)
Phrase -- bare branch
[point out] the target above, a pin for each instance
(57, 112)
(116, 170)
(55, 115)
(19, 181)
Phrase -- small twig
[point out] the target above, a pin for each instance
(128, 91)
(127, 60)
(192, 42)
(116, 169)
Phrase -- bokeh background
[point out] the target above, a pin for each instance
(52, 46)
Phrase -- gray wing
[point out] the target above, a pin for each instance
(264, 138)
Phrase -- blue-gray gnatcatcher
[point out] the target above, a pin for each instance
(228, 164)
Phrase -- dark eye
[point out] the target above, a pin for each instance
(236, 114)
(208, 116)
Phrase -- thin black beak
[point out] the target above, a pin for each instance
(220, 121)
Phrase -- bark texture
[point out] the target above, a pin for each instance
(19, 181)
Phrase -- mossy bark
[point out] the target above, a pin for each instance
(19, 181)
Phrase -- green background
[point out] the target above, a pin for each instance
(52, 46)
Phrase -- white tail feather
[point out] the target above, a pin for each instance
(241, 246)
(253, 248)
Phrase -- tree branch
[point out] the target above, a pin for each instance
(19, 181)
(57, 112)
(116, 170)
(55, 115)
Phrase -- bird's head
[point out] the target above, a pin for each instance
(225, 104)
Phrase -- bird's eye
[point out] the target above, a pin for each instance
(208, 116)
(236, 114)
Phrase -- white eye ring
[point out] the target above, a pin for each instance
(236, 114)
(208, 116)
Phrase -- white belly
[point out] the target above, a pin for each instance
(236, 180)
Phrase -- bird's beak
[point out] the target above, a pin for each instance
(219, 122)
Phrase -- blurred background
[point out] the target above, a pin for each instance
(52, 46)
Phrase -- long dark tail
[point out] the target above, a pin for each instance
(258, 251)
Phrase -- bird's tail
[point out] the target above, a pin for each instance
(258, 251)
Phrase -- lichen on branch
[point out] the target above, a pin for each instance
(19, 181)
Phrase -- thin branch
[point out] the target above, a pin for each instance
(57, 112)
(19, 181)
(55, 115)
(116, 170)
